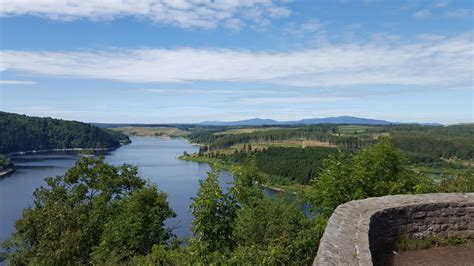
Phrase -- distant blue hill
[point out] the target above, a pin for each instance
(310, 121)
(248, 122)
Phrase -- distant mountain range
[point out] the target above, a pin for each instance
(309, 121)
(268, 122)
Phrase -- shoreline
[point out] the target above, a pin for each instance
(226, 166)
(18, 153)
(6, 172)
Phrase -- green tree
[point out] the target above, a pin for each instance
(247, 182)
(214, 217)
(375, 171)
(135, 225)
(72, 214)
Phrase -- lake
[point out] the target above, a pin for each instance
(156, 159)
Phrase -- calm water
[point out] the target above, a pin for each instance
(155, 157)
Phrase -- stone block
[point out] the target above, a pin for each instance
(454, 220)
(433, 213)
(434, 228)
(411, 228)
(447, 212)
(444, 227)
(418, 215)
(442, 220)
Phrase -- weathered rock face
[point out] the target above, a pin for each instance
(360, 231)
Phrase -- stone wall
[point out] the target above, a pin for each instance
(359, 232)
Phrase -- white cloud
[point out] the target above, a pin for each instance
(441, 3)
(439, 63)
(422, 14)
(17, 82)
(184, 13)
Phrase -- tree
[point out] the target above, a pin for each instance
(76, 212)
(247, 182)
(214, 217)
(135, 225)
(372, 172)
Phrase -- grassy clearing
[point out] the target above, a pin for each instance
(361, 131)
(153, 131)
(406, 243)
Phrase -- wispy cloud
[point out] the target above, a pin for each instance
(441, 3)
(184, 13)
(290, 100)
(17, 82)
(459, 13)
(206, 91)
(439, 63)
(425, 13)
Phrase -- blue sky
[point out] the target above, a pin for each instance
(189, 61)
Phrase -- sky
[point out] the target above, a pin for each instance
(186, 61)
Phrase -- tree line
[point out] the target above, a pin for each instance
(24, 133)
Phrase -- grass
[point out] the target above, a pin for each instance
(405, 243)
(153, 131)
(361, 131)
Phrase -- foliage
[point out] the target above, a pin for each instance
(297, 164)
(24, 133)
(463, 182)
(275, 231)
(260, 230)
(247, 182)
(451, 141)
(214, 217)
(164, 255)
(135, 225)
(5, 162)
(84, 213)
(372, 172)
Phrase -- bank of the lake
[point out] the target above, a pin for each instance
(223, 165)
(6, 172)
(156, 158)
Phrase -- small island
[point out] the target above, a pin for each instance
(6, 166)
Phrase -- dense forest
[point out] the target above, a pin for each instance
(285, 164)
(446, 142)
(24, 133)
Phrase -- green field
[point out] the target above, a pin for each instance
(153, 131)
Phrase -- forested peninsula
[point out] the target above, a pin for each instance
(21, 133)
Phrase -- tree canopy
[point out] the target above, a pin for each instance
(95, 212)
(24, 133)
